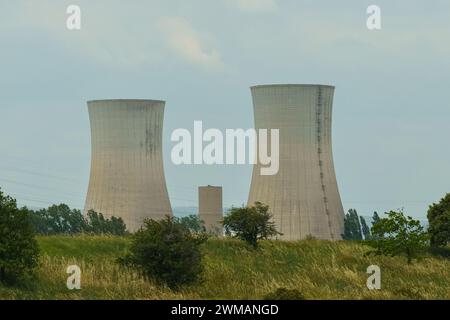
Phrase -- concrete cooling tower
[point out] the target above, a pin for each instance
(303, 196)
(210, 208)
(127, 175)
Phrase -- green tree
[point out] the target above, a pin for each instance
(38, 221)
(60, 219)
(19, 251)
(98, 224)
(399, 235)
(250, 223)
(57, 219)
(365, 229)
(352, 226)
(167, 252)
(439, 222)
(375, 218)
(118, 227)
(193, 223)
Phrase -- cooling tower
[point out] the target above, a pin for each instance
(210, 208)
(127, 175)
(303, 196)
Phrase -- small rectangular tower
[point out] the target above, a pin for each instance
(210, 208)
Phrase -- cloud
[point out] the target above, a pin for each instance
(113, 39)
(253, 5)
(102, 38)
(186, 43)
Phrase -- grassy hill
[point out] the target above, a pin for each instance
(319, 269)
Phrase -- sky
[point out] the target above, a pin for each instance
(391, 106)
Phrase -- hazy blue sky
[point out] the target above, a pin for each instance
(391, 124)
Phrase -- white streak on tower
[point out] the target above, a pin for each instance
(210, 208)
(127, 175)
(303, 196)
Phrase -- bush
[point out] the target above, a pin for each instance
(166, 252)
(285, 294)
(19, 251)
(250, 223)
(399, 235)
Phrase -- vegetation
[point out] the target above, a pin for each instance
(18, 249)
(317, 269)
(97, 224)
(60, 219)
(355, 227)
(165, 259)
(250, 223)
(352, 226)
(193, 223)
(439, 222)
(167, 252)
(365, 229)
(399, 235)
(375, 218)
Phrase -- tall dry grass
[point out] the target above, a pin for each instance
(318, 269)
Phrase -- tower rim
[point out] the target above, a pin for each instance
(126, 100)
(291, 85)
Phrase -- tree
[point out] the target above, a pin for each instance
(193, 223)
(439, 222)
(167, 252)
(117, 226)
(60, 219)
(365, 229)
(19, 251)
(352, 226)
(375, 218)
(98, 224)
(57, 219)
(250, 223)
(398, 235)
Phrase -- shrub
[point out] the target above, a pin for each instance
(166, 252)
(285, 294)
(250, 223)
(19, 251)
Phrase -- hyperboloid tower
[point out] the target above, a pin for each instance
(127, 175)
(303, 196)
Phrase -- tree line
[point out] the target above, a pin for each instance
(61, 219)
(438, 214)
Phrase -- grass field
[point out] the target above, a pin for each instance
(319, 269)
